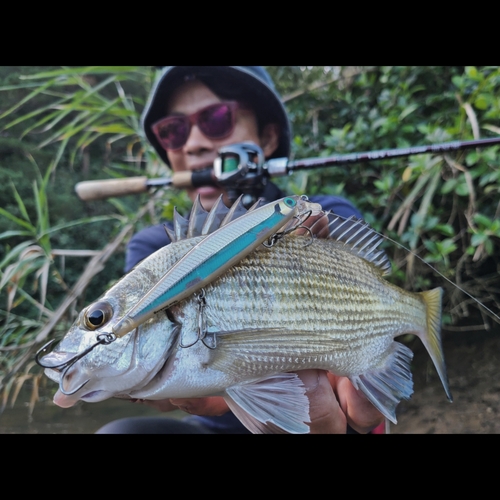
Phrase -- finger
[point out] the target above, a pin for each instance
(361, 415)
(212, 406)
(161, 405)
(325, 412)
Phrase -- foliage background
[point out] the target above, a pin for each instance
(59, 126)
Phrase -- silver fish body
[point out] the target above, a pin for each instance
(301, 303)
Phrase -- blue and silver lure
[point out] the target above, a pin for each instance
(210, 258)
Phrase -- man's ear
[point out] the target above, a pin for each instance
(269, 139)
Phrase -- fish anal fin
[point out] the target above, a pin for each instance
(276, 404)
(388, 384)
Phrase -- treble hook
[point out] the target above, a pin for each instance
(301, 219)
(102, 338)
(202, 326)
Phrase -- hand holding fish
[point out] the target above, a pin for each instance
(333, 401)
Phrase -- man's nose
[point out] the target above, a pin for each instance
(197, 142)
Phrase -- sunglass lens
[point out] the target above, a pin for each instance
(174, 133)
(216, 121)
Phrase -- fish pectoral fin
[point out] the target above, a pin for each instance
(277, 404)
(388, 384)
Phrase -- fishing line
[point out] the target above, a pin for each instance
(494, 316)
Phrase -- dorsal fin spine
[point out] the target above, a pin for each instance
(180, 225)
(214, 217)
(353, 233)
(236, 210)
(197, 219)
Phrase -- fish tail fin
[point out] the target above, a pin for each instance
(431, 338)
(386, 385)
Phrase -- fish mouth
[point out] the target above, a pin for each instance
(92, 397)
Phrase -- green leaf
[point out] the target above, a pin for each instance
(462, 189)
(471, 71)
(10, 234)
(30, 96)
(482, 220)
(446, 229)
(478, 238)
(408, 110)
(448, 186)
(17, 220)
(85, 70)
(481, 102)
(85, 220)
(14, 253)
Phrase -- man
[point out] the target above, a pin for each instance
(192, 112)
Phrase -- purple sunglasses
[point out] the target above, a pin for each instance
(215, 122)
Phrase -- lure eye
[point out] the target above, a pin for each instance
(97, 315)
(290, 202)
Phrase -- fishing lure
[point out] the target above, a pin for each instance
(210, 258)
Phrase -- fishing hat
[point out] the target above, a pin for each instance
(253, 83)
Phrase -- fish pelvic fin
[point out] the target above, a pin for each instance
(432, 337)
(274, 405)
(386, 385)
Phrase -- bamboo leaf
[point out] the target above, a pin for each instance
(17, 220)
(10, 234)
(15, 252)
(86, 70)
(30, 96)
(28, 116)
(86, 220)
(41, 208)
(20, 204)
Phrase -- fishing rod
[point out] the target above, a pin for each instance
(242, 168)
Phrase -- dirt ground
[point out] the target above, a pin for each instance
(473, 362)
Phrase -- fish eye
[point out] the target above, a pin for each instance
(97, 315)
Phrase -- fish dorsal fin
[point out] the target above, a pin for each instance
(197, 219)
(202, 223)
(180, 226)
(360, 238)
(215, 217)
(259, 203)
(237, 210)
(170, 233)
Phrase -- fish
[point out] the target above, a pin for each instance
(298, 302)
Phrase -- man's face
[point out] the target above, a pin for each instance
(199, 151)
